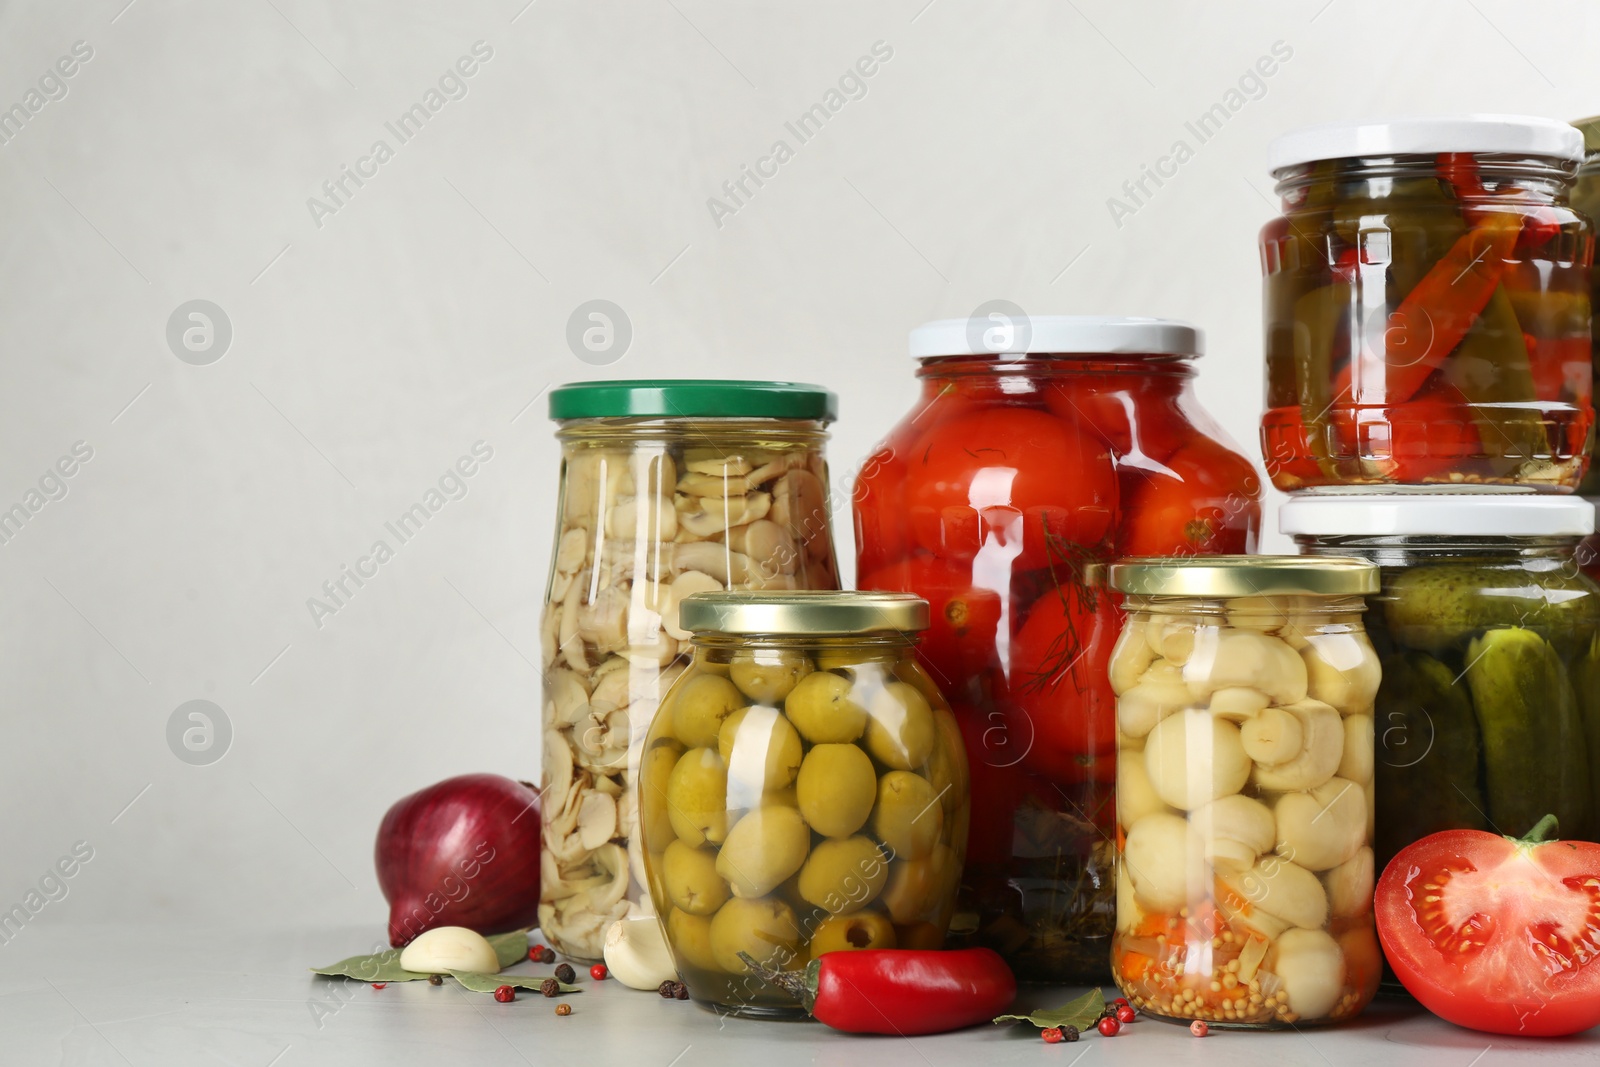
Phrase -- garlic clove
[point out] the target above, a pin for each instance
(449, 948)
(637, 955)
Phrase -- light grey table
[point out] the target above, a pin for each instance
(170, 997)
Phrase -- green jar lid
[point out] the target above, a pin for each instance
(712, 398)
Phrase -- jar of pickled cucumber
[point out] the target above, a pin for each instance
(1245, 689)
(1426, 297)
(668, 488)
(1489, 713)
(1589, 556)
(1586, 198)
(802, 790)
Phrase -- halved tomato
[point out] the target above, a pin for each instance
(1496, 934)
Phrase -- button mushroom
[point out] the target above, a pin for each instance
(1350, 885)
(1193, 758)
(1160, 692)
(1129, 659)
(1321, 751)
(1358, 749)
(1246, 658)
(1166, 872)
(1322, 828)
(1311, 968)
(1282, 888)
(1233, 831)
(1342, 670)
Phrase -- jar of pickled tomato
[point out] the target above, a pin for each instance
(1245, 790)
(1427, 306)
(1038, 449)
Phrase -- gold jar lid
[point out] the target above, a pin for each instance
(800, 612)
(1245, 576)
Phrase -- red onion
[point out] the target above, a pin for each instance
(464, 852)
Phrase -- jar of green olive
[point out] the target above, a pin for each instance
(803, 789)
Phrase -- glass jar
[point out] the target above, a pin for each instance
(803, 790)
(1011, 477)
(1244, 790)
(1589, 562)
(1489, 714)
(1586, 198)
(668, 488)
(1426, 298)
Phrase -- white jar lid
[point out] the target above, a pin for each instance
(1514, 134)
(1019, 334)
(1439, 515)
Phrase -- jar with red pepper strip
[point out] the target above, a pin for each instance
(1041, 446)
(1427, 306)
(1586, 198)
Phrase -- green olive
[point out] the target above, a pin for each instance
(765, 929)
(763, 848)
(845, 933)
(918, 890)
(697, 797)
(655, 771)
(768, 674)
(900, 731)
(907, 817)
(844, 874)
(836, 789)
(822, 710)
(690, 875)
(762, 751)
(690, 938)
(699, 707)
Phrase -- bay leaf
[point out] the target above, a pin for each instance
(1083, 1013)
(377, 967)
(488, 983)
(510, 948)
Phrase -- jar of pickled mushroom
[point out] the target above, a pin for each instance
(1586, 199)
(1245, 690)
(803, 790)
(1427, 306)
(1039, 448)
(668, 488)
(1489, 713)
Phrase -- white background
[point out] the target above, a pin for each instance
(432, 307)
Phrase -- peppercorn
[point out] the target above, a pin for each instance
(1109, 1026)
(1108, 1012)
(1069, 1033)
(505, 994)
(549, 987)
(1120, 1001)
(563, 1009)
(681, 992)
(667, 989)
(435, 979)
(547, 956)
(536, 954)
(1126, 1014)
(565, 973)
(1052, 1035)
(598, 972)
(1199, 1028)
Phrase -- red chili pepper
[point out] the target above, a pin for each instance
(899, 991)
(1433, 318)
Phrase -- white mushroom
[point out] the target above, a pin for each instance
(1129, 659)
(1358, 749)
(1237, 703)
(1173, 637)
(558, 767)
(1136, 797)
(1323, 828)
(566, 697)
(1342, 670)
(1312, 970)
(1166, 873)
(597, 820)
(569, 641)
(1281, 888)
(1350, 885)
(1193, 758)
(1129, 913)
(800, 505)
(572, 550)
(1160, 692)
(1274, 736)
(1232, 831)
(769, 547)
(1263, 614)
(1321, 752)
(684, 586)
(723, 466)
(1246, 658)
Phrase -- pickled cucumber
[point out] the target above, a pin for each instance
(1535, 754)
(1437, 609)
(1428, 754)
(1586, 683)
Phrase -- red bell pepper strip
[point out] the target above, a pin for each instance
(899, 991)
(1433, 317)
(1460, 172)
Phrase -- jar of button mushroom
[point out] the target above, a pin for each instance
(668, 488)
(803, 790)
(1245, 689)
